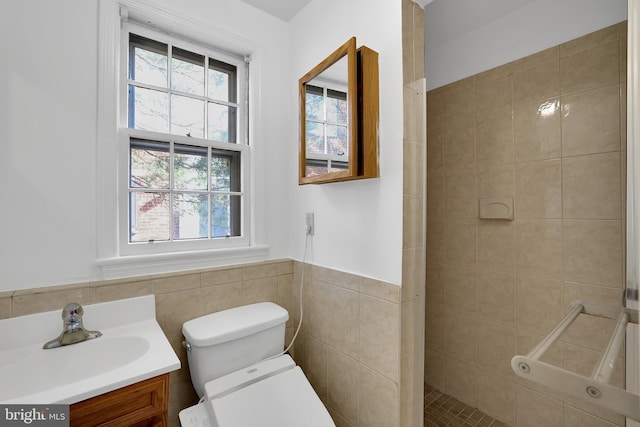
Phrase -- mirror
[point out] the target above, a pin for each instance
(335, 101)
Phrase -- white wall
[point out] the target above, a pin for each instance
(358, 223)
(48, 133)
(538, 25)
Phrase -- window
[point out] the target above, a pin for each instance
(183, 124)
(327, 130)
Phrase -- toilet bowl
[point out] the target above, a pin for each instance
(240, 375)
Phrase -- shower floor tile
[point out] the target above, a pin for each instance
(441, 410)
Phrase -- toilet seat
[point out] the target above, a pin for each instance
(272, 393)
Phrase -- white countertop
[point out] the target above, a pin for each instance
(132, 348)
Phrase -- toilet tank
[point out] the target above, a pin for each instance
(229, 340)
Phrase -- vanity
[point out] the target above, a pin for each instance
(119, 378)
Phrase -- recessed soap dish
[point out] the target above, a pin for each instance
(496, 208)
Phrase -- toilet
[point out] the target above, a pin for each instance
(241, 376)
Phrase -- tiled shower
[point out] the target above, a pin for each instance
(547, 131)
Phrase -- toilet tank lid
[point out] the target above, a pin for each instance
(234, 323)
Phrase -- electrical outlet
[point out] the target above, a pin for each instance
(310, 226)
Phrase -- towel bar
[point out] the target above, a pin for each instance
(596, 388)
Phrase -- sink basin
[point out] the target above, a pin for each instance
(129, 350)
(71, 363)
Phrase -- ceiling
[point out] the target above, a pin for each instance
(283, 9)
(287, 9)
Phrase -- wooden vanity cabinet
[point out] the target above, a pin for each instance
(143, 404)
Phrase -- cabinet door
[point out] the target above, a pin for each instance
(141, 404)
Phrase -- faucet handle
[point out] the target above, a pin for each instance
(72, 312)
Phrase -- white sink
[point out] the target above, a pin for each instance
(132, 348)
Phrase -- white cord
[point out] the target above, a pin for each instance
(304, 258)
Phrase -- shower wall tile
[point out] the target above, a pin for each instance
(539, 247)
(592, 187)
(595, 67)
(539, 189)
(496, 297)
(548, 130)
(593, 252)
(591, 121)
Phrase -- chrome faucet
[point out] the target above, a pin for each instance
(72, 329)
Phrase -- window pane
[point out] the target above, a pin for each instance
(314, 103)
(222, 81)
(147, 61)
(337, 141)
(149, 164)
(148, 216)
(190, 166)
(191, 216)
(315, 137)
(187, 71)
(187, 116)
(338, 166)
(225, 215)
(221, 174)
(336, 107)
(316, 167)
(222, 123)
(148, 109)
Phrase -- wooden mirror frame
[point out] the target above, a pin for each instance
(349, 50)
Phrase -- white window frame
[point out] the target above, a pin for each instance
(115, 256)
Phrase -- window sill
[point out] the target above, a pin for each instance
(136, 265)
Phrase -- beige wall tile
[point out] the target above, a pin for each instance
(593, 252)
(174, 283)
(379, 333)
(494, 97)
(497, 397)
(219, 277)
(591, 121)
(221, 297)
(536, 410)
(460, 241)
(380, 289)
(461, 194)
(460, 289)
(436, 231)
(342, 385)
(461, 381)
(315, 364)
(461, 337)
(436, 197)
(435, 151)
(260, 290)
(173, 309)
(539, 247)
(379, 405)
(316, 309)
(590, 40)
(537, 130)
(434, 370)
(344, 321)
(576, 418)
(23, 303)
(494, 139)
(285, 267)
(407, 334)
(537, 83)
(539, 189)
(5, 307)
(413, 159)
(120, 291)
(496, 181)
(591, 186)
(537, 59)
(460, 146)
(582, 361)
(496, 347)
(409, 112)
(434, 329)
(496, 245)
(538, 303)
(497, 297)
(525, 342)
(257, 271)
(595, 67)
(285, 294)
